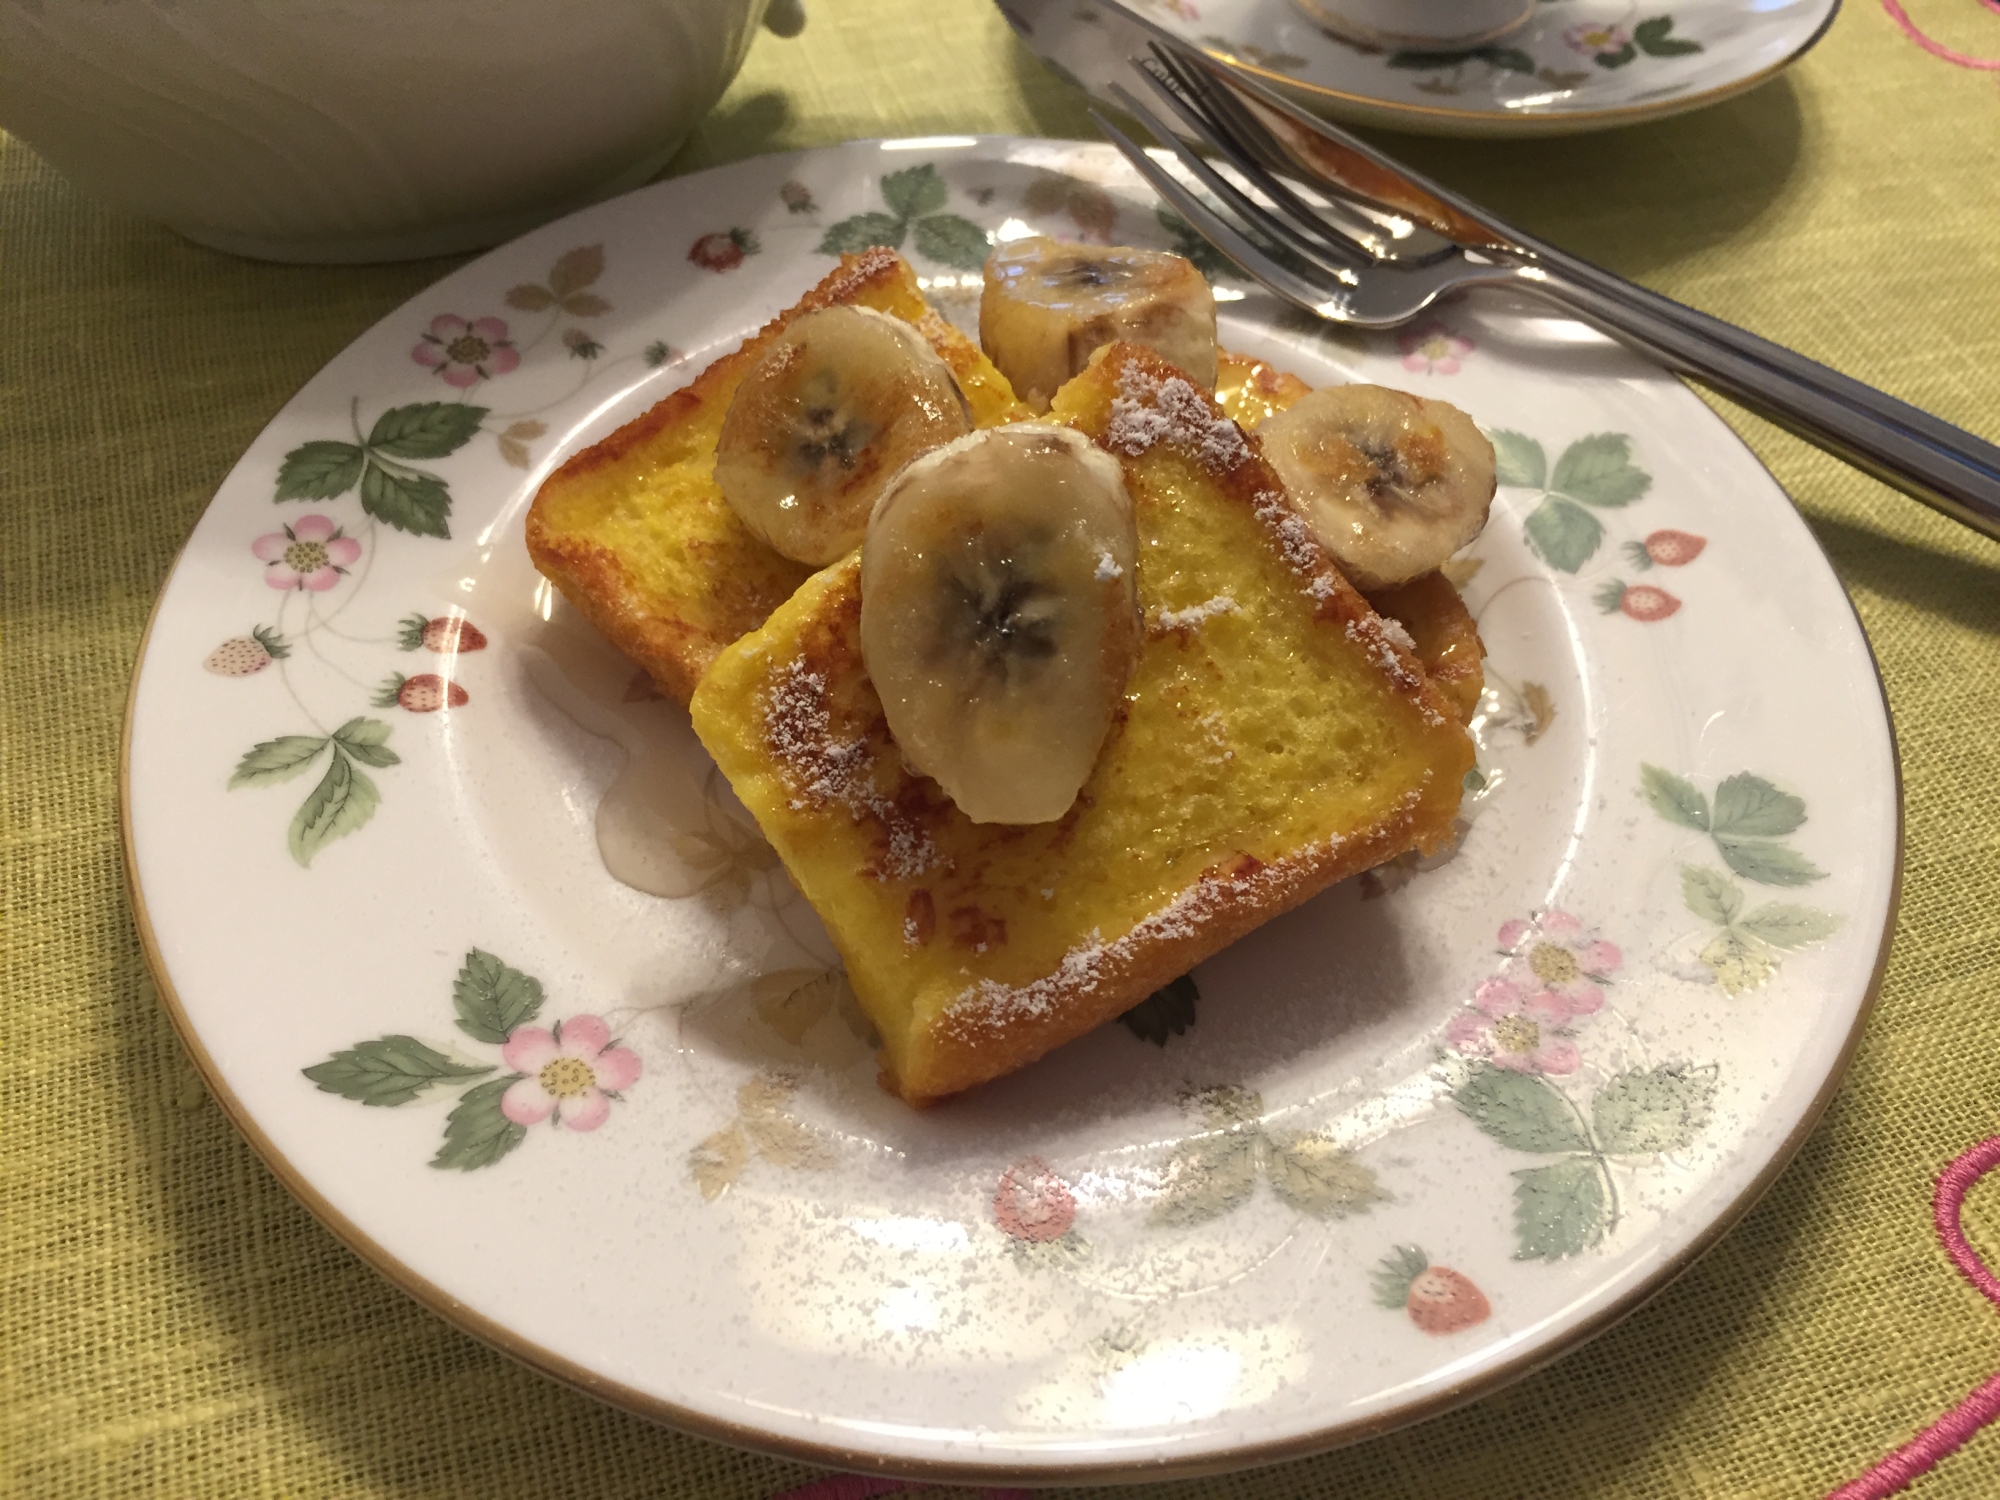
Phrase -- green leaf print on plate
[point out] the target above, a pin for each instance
(569, 1075)
(1746, 822)
(1567, 1206)
(861, 232)
(389, 1070)
(365, 740)
(1518, 460)
(572, 272)
(477, 1133)
(1559, 1210)
(952, 241)
(1168, 1011)
(915, 196)
(1520, 1111)
(1661, 1109)
(1750, 815)
(277, 760)
(320, 470)
(343, 800)
(1655, 39)
(1317, 1176)
(492, 998)
(430, 430)
(914, 191)
(1217, 1171)
(1594, 472)
(410, 500)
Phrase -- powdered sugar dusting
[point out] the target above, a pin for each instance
(1148, 411)
(1295, 540)
(1191, 617)
(800, 733)
(799, 730)
(1395, 631)
(1093, 961)
(1369, 634)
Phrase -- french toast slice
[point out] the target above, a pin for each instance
(1429, 607)
(635, 532)
(1274, 737)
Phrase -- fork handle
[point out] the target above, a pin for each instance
(1928, 459)
(1914, 419)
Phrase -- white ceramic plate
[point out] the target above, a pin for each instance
(1573, 65)
(1423, 1133)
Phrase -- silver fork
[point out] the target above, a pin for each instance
(1364, 264)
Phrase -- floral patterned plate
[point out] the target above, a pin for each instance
(475, 947)
(1573, 65)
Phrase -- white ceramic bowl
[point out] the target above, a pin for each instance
(365, 130)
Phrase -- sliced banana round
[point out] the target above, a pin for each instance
(842, 399)
(1048, 305)
(1000, 618)
(1392, 484)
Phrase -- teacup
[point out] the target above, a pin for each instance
(1432, 25)
(369, 130)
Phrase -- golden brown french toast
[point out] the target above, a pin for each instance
(1429, 608)
(1274, 737)
(635, 532)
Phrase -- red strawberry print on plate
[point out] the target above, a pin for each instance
(244, 655)
(1438, 1299)
(1665, 549)
(1032, 1203)
(1639, 601)
(424, 693)
(445, 634)
(724, 250)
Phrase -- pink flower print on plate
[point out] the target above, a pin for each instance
(1524, 1017)
(1433, 349)
(1595, 39)
(312, 555)
(462, 354)
(572, 1073)
(1561, 954)
(1512, 1029)
(1032, 1203)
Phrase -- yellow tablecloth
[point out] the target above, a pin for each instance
(172, 1324)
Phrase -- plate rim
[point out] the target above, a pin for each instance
(495, 1335)
(1439, 119)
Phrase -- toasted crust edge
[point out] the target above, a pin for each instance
(592, 577)
(972, 1045)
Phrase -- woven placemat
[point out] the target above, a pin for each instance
(172, 1324)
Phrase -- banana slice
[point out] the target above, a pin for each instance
(841, 400)
(1048, 305)
(1000, 617)
(1393, 484)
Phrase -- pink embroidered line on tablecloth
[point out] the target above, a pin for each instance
(1948, 1432)
(1937, 49)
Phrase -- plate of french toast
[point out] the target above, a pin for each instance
(858, 802)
